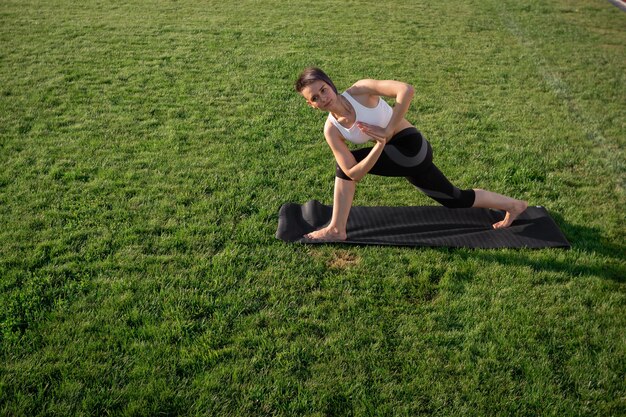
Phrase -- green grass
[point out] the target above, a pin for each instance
(146, 148)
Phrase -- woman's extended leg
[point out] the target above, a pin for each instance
(434, 184)
(489, 199)
(342, 202)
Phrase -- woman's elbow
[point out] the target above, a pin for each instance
(350, 174)
(354, 176)
(409, 90)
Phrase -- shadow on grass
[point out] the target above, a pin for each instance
(601, 257)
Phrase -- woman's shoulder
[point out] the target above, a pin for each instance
(363, 93)
(357, 89)
(384, 88)
(331, 130)
(365, 86)
(330, 126)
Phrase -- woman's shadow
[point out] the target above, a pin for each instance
(605, 258)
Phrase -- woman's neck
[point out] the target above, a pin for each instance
(341, 108)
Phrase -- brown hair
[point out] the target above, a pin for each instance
(310, 75)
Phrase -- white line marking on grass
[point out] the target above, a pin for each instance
(589, 124)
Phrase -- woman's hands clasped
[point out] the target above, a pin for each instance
(377, 133)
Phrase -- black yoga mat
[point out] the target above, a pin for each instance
(424, 226)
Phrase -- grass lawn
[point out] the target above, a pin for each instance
(146, 147)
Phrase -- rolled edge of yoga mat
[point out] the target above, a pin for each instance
(295, 220)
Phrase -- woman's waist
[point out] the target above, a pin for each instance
(402, 127)
(403, 130)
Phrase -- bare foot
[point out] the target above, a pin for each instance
(326, 233)
(518, 208)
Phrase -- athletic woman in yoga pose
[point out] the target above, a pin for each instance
(359, 115)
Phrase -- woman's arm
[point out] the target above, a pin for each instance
(402, 92)
(344, 157)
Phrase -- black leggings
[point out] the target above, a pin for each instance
(408, 154)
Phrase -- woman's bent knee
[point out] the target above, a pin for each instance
(340, 174)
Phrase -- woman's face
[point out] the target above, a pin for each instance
(319, 95)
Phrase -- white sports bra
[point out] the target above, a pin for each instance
(378, 116)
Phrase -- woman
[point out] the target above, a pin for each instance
(359, 115)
